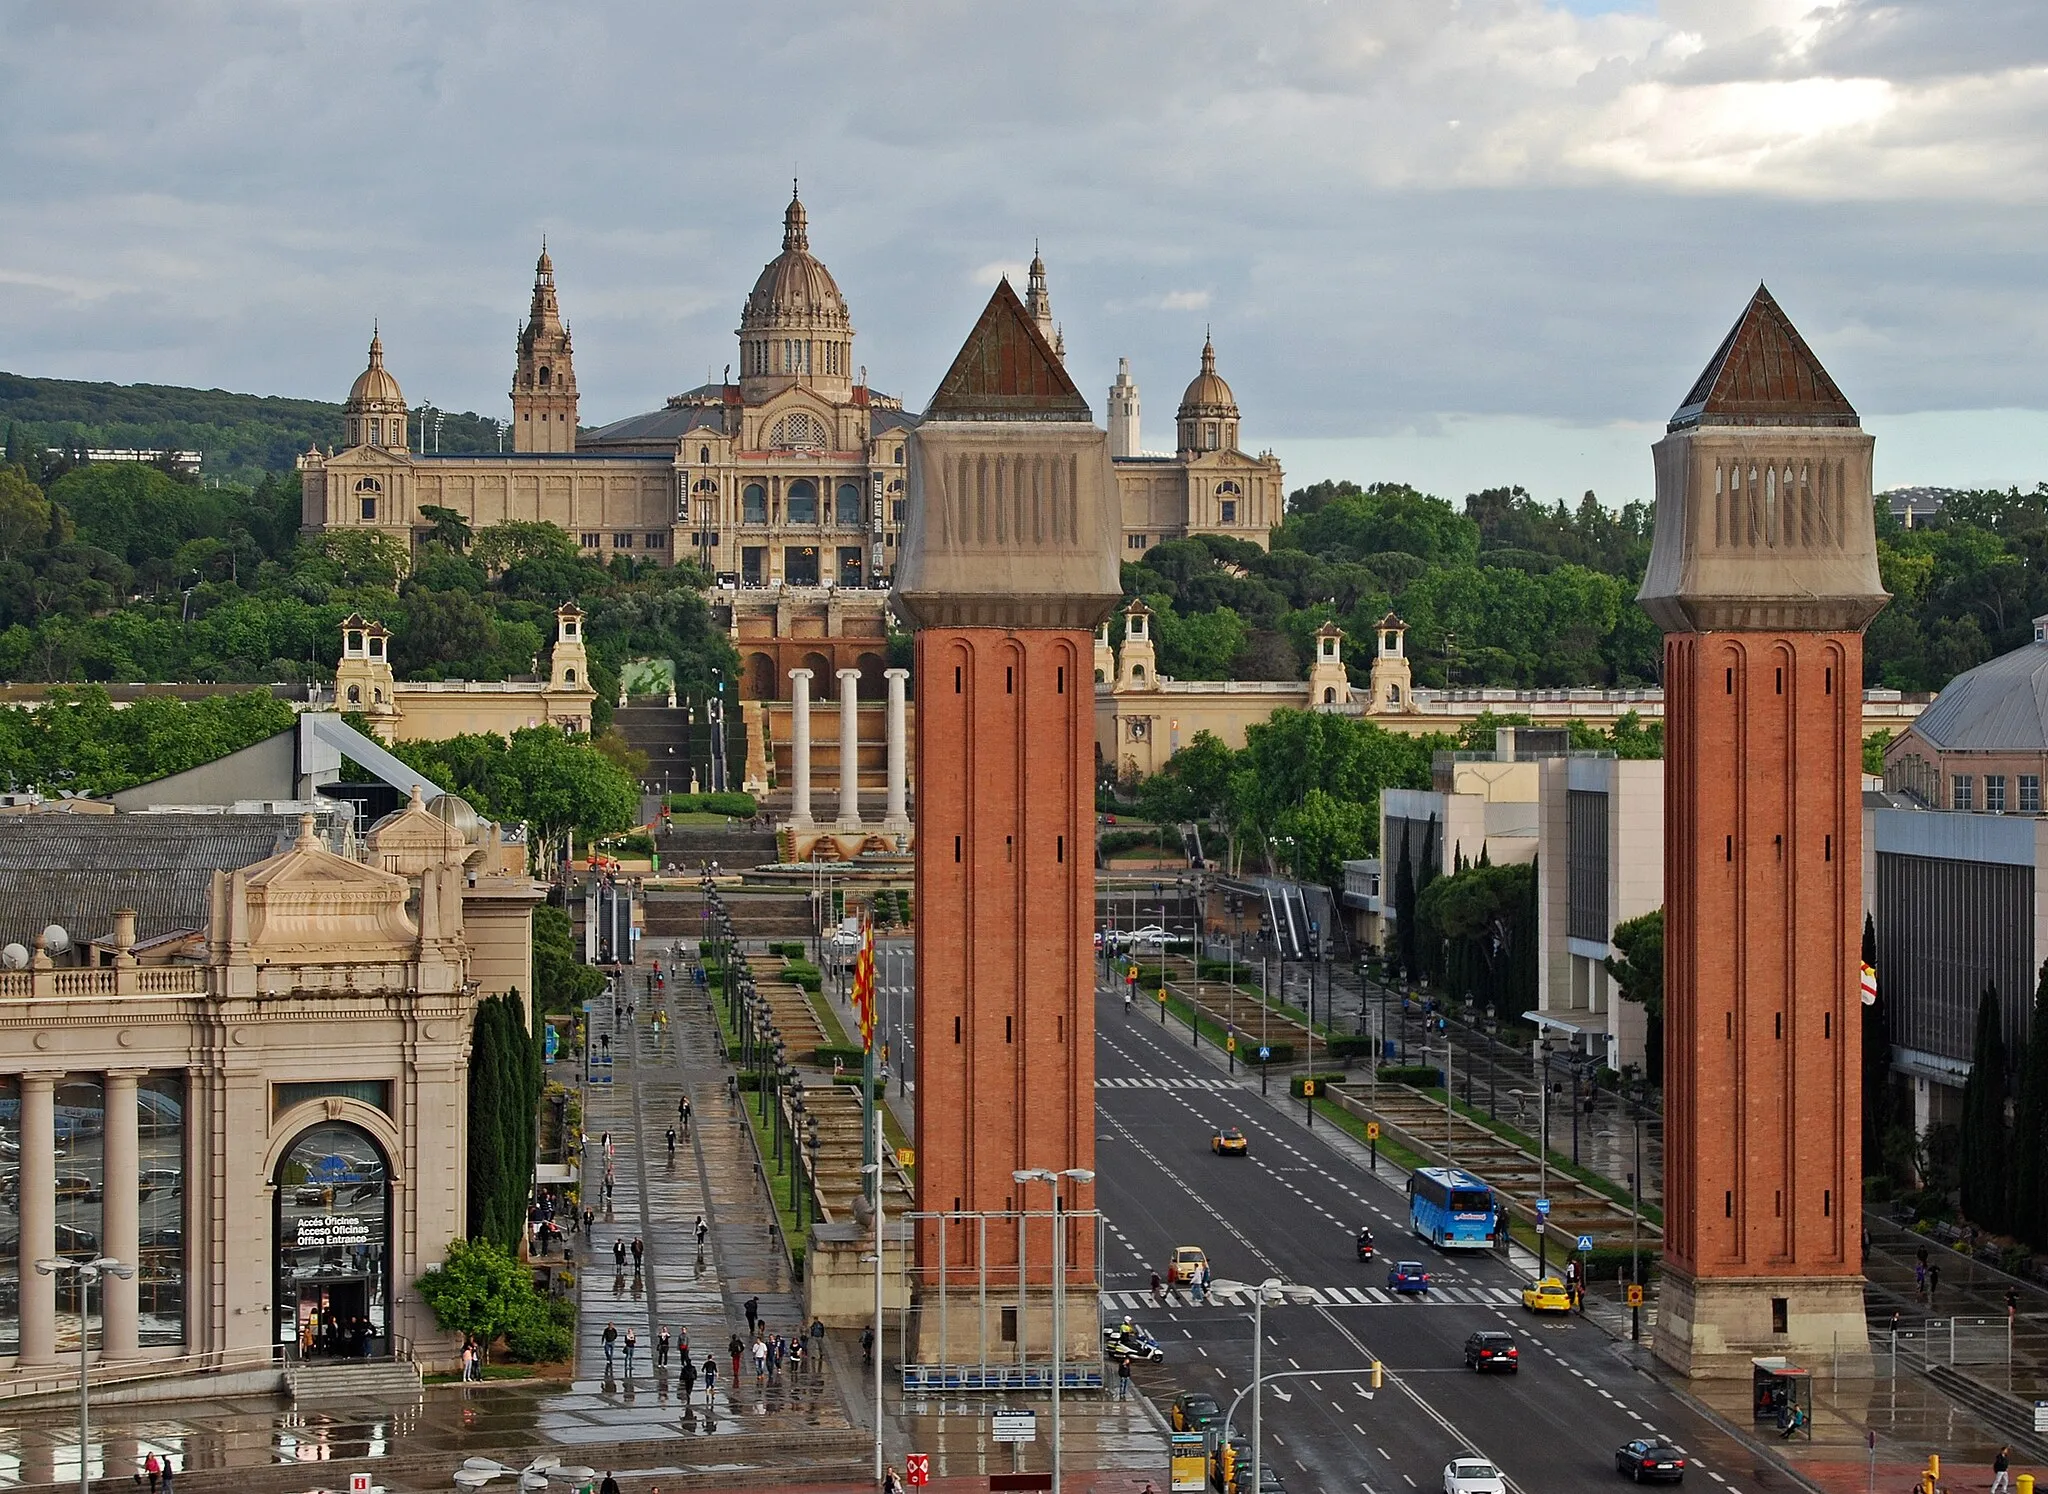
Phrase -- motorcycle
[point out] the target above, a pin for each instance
(1365, 1246)
(1129, 1341)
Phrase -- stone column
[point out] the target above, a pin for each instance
(120, 1232)
(37, 1201)
(800, 748)
(849, 750)
(897, 820)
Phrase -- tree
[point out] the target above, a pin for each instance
(1638, 972)
(1326, 832)
(1986, 1144)
(505, 1083)
(481, 1289)
(503, 546)
(2030, 1131)
(451, 530)
(24, 513)
(1481, 917)
(1405, 941)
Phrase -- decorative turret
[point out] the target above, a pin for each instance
(374, 414)
(569, 670)
(1137, 664)
(363, 680)
(1123, 412)
(1392, 686)
(544, 377)
(1038, 305)
(1105, 656)
(1328, 682)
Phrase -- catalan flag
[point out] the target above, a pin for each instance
(864, 985)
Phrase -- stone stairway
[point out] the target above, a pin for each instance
(322, 1381)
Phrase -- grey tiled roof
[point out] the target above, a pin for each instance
(79, 870)
(1998, 706)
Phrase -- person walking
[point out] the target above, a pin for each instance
(683, 1342)
(610, 1338)
(2001, 1470)
(1158, 1291)
(867, 1344)
(818, 1342)
(753, 1311)
(610, 1484)
(703, 1229)
(683, 1110)
(170, 1469)
(632, 1343)
(689, 1379)
(639, 1250)
(710, 1378)
(1123, 1378)
(661, 1348)
(671, 1145)
(619, 1254)
(760, 1362)
(153, 1468)
(736, 1347)
(1933, 1282)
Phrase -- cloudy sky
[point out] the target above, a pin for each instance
(1456, 242)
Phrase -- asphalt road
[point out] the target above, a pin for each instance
(1291, 1210)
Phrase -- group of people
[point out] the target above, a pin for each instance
(1198, 1285)
(771, 1352)
(540, 1221)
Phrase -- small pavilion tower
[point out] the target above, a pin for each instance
(544, 378)
(1038, 305)
(1328, 682)
(1392, 687)
(1137, 664)
(1207, 418)
(363, 680)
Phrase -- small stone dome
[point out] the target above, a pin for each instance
(795, 289)
(375, 386)
(1208, 394)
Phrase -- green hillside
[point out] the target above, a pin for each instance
(241, 436)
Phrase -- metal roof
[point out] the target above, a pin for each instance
(1763, 374)
(2000, 706)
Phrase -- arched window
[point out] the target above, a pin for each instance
(569, 676)
(802, 502)
(367, 491)
(846, 507)
(355, 694)
(1329, 695)
(797, 432)
(704, 455)
(331, 1214)
(544, 375)
(754, 504)
(1393, 695)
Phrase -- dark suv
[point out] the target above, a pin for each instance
(1492, 1351)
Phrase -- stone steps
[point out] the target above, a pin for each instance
(318, 1381)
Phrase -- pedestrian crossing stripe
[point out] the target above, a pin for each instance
(1298, 1296)
(1165, 1084)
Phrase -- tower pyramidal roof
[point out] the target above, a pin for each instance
(1764, 374)
(1006, 370)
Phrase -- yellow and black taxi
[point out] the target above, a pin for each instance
(1548, 1295)
(1228, 1141)
(1194, 1412)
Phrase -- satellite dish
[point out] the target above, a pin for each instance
(14, 957)
(55, 940)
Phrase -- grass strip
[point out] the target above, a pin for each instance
(1391, 1149)
(776, 1173)
(1599, 1182)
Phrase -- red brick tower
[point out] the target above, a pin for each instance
(1763, 575)
(1007, 566)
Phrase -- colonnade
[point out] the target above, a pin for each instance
(895, 817)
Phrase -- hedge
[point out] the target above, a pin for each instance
(1248, 1051)
(789, 949)
(825, 1055)
(1426, 1076)
(1343, 1048)
(1294, 1085)
(741, 806)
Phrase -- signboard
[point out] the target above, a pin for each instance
(1308, 1088)
(1014, 1426)
(359, 1483)
(906, 1156)
(1543, 1207)
(1635, 1296)
(917, 1469)
(1264, 1053)
(552, 1045)
(1190, 1460)
(1372, 1130)
(332, 1229)
(1230, 1043)
(1585, 1242)
(2041, 1416)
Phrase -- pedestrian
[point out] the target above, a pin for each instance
(753, 1311)
(639, 1250)
(632, 1343)
(1920, 1276)
(891, 1484)
(818, 1342)
(170, 1468)
(703, 1229)
(610, 1484)
(1123, 1378)
(686, 1115)
(671, 1143)
(619, 1253)
(1933, 1281)
(760, 1362)
(689, 1378)
(154, 1468)
(710, 1377)
(661, 1348)
(2001, 1467)
(735, 1348)
(588, 1219)
(683, 1342)
(610, 1338)
(468, 1359)
(867, 1344)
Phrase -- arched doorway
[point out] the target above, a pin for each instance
(332, 1228)
(761, 681)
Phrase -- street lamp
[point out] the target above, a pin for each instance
(1059, 1286)
(1270, 1284)
(87, 1273)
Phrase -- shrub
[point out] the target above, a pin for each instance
(637, 843)
(1345, 1048)
(1422, 1075)
(544, 1334)
(789, 949)
(849, 1055)
(804, 973)
(741, 806)
(1248, 1052)
(1294, 1085)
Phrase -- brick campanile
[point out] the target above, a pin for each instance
(1763, 575)
(1008, 565)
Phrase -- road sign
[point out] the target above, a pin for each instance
(917, 1469)
(1308, 1088)
(1264, 1053)
(1015, 1426)
(359, 1483)
(1372, 1130)
(1230, 1043)
(906, 1156)
(1543, 1207)
(1635, 1294)
(1585, 1242)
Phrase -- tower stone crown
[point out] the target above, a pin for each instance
(1208, 414)
(1763, 493)
(544, 377)
(795, 327)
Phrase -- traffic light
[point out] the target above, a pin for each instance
(1229, 1464)
(1379, 1375)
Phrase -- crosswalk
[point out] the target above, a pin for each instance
(1299, 1296)
(1166, 1084)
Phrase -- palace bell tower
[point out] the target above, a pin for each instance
(544, 380)
(1763, 575)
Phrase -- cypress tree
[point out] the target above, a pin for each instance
(1986, 1146)
(1404, 909)
(483, 1122)
(2030, 1135)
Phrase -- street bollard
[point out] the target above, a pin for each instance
(2024, 1483)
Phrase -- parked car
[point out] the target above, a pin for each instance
(1647, 1458)
(1492, 1351)
(1194, 1412)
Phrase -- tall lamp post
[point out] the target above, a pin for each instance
(1059, 1286)
(87, 1273)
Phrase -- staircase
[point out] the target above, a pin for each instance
(320, 1381)
(679, 915)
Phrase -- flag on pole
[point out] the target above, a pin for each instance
(1869, 985)
(864, 985)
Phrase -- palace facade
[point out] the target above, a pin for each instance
(789, 475)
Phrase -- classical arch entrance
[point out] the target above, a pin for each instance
(332, 1234)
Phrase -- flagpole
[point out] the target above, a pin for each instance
(864, 989)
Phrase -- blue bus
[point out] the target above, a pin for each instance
(1451, 1208)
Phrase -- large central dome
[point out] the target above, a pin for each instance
(795, 292)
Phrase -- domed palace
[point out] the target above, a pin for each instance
(789, 476)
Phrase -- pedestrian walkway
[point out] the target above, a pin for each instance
(699, 1295)
(1227, 1294)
